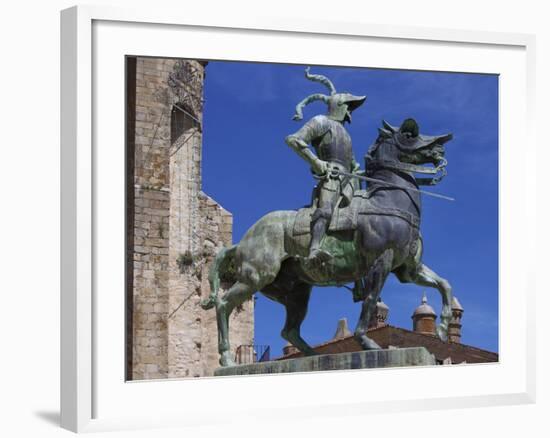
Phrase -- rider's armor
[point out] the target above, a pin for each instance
(332, 144)
(330, 140)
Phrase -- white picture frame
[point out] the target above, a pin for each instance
(93, 396)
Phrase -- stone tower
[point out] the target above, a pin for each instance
(424, 318)
(455, 326)
(379, 318)
(173, 228)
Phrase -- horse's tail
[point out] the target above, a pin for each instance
(221, 262)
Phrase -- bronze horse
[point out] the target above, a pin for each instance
(377, 234)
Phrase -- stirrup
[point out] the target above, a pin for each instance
(319, 255)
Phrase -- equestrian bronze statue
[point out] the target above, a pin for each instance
(367, 235)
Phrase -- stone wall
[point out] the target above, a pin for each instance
(151, 220)
(174, 230)
(151, 292)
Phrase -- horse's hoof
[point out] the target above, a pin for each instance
(368, 344)
(227, 361)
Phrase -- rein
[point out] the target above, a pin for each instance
(389, 184)
(412, 168)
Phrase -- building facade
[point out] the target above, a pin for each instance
(173, 229)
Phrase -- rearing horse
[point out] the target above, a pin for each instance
(377, 234)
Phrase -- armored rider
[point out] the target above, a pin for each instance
(332, 144)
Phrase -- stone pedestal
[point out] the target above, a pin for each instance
(402, 357)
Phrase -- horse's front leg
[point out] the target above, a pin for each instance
(235, 296)
(374, 282)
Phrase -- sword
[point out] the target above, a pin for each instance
(336, 171)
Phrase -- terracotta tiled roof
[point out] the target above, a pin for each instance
(388, 335)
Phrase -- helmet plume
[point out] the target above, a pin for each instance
(321, 79)
(298, 115)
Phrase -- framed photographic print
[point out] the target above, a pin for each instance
(342, 203)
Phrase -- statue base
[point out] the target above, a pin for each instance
(401, 357)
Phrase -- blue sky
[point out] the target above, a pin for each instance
(250, 171)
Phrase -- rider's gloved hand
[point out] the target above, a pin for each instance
(320, 167)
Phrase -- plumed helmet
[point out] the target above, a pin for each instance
(340, 105)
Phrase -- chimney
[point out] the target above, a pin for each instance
(424, 318)
(342, 330)
(380, 316)
(455, 326)
(244, 354)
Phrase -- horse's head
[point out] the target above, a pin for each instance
(405, 149)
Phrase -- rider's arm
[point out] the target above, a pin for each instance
(299, 141)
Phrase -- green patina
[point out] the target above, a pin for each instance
(346, 261)
(275, 259)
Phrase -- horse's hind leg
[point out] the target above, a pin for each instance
(237, 294)
(426, 277)
(296, 308)
(375, 281)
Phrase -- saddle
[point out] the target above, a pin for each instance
(346, 218)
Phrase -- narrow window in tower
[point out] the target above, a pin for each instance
(182, 121)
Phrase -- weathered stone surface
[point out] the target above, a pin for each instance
(171, 335)
(404, 357)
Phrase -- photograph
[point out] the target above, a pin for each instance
(294, 218)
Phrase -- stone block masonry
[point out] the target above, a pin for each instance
(150, 285)
(405, 357)
(174, 230)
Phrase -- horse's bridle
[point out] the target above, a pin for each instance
(439, 171)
